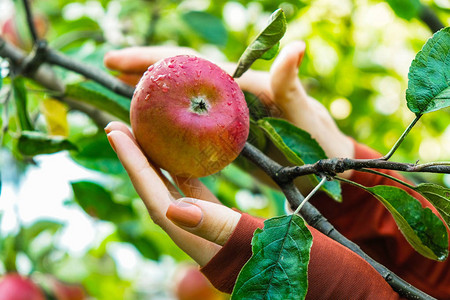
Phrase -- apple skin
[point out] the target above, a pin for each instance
(10, 32)
(66, 291)
(193, 285)
(189, 116)
(16, 287)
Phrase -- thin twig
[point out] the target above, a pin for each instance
(387, 176)
(429, 17)
(312, 193)
(56, 58)
(402, 137)
(30, 21)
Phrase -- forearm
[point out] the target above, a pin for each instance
(333, 272)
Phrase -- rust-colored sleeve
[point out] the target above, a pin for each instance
(334, 272)
(365, 221)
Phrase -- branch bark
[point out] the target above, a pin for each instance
(333, 165)
(428, 16)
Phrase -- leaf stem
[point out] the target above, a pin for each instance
(351, 182)
(388, 176)
(402, 137)
(310, 195)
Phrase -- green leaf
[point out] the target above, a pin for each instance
(20, 96)
(96, 153)
(100, 97)
(265, 41)
(27, 234)
(32, 143)
(406, 9)
(207, 26)
(420, 226)
(439, 196)
(278, 268)
(271, 52)
(429, 75)
(32, 231)
(299, 148)
(98, 202)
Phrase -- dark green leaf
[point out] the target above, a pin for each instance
(98, 202)
(32, 143)
(96, 95)
(271, 52)
(299, 148)
(429, 75)
(207, 26)
(8, 253)
(95, 153)
(28, 234)
(420, 226)
(40, 226)
(256, 107)
(278, 268)
(20, 96)
(264, 42)
(406, 9)
(439, 196)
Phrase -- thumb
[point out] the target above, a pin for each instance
(286, 86)
(211, 221)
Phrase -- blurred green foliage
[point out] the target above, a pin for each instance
(356, 64)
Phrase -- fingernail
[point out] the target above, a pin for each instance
(108, 128)
(300, 58)
(185, 214)
(111, 141)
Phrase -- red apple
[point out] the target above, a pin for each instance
(193, 285)
(66, 291)
(21, 38)
(15, 287)
(189, 116)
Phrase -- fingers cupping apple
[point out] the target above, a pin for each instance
(189, 117)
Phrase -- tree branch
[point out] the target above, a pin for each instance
(56, 58)
(428, 16)
(332, 166)
(315, 219)
(44, 75)
(30, 21)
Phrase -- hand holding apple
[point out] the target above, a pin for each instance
(210, 222)
(280, 87)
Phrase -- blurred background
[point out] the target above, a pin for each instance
(74, 215)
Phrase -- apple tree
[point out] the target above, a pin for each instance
(46, 91)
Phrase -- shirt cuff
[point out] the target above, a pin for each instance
(223, 269)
